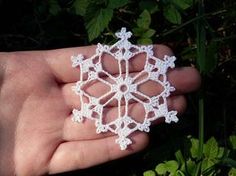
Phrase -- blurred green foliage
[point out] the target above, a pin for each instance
(187, 164)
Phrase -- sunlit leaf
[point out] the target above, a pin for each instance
(232, 172)
(211, 148)
(149, 173)
(194, 147)
(172, 166)
(161, 169)
(232, 140)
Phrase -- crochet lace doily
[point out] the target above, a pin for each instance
(123, 88)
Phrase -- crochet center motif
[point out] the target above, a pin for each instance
(123, 89)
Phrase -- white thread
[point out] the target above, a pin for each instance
(123, 125)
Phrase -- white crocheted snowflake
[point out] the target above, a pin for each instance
(123, 88)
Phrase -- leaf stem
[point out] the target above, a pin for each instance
(199, 17)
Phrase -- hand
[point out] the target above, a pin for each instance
(37, 135)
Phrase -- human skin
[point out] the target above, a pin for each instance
(37, 135)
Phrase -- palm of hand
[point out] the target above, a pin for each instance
(40, 121)
(37, 107)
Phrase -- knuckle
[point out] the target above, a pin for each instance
(162, 50)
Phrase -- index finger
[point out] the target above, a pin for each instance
(60, 63)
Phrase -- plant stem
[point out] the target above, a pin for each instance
(201, 124)
(201, 53)
(199, 17)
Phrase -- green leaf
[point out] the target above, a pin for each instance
(98, 23)
(207, 165)
(144, 20)
(54, 7)
(172, 166)
(191, 167)
(161, 169)
(179, 173)
(143, 33)
(138, 31)
(172, 14)
(144, 41)
(80, 6)
(149, 33)
(210, 149)
(149, 5)
(229, 162)
(115, 4)
(183, 4)
(222, 152)
(232, 172)
(149, 173)
(179, 157)
(232, 140)
(194, 147)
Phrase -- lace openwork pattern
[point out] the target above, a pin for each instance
(123, 88)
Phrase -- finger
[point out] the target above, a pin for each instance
(184, 79)
(83, 154)
(60, 63)
(86, 130)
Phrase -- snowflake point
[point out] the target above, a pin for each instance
(123, 34)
